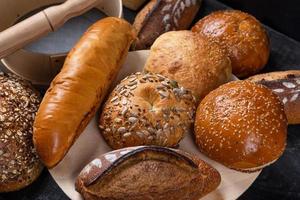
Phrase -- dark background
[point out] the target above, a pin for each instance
(279, 181)
(283, 16)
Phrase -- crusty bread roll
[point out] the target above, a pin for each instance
(147, 109)
(133, 4)
(286, 84)
(77, 91)
(195, 63)
(19, 163)
(241, 35)
(147, 173)
(242, 125)
(160, 16)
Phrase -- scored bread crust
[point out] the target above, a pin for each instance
(241, 125)
(160, 16)
(19, 163)
(78, 90)
(203, 177)
(188, 58)
(241, 35)
(286, 84)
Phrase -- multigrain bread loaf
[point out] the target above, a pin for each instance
(194, 62)
(241, 125)
(286, 84)
(147, 109)
(144, 173)
(160, 16)
(241, 35)
(78, 90)
(133, 4)
(19, 163)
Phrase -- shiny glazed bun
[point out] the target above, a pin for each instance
(241, 125)
(241, 35)
(194, 62)
(147, 109)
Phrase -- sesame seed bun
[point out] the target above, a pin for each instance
(19, 163)
(241, 36)
(147, 109)
(194, 62)
(241, 125)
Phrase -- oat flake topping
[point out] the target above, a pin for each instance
(18, 106)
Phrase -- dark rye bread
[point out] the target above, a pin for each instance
(147, 173)
(286, 84)
(19, 163)
(160, 16)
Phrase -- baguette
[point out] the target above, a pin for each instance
(286, 84)
(78, 90)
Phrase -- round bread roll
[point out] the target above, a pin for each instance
(241, 125)
(195, 63)
(241, 36)
(147, 109)
(19, 163)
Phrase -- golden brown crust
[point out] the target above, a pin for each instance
(19, 163)
(242, 125)
(77, 91)
(241, 35)
(160, 16)
(286, 84)
(147, 109)
(147, 173)
(191, 60)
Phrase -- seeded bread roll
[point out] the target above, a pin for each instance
(242, 125)
(191, 60)
(286, 84)
(160, 16)
(19, 163)
(147, 109)
(147, 173)
(241, 35)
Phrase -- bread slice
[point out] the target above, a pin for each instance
(286, 84)
(147, 173)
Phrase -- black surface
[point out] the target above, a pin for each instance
(279, 181)
(283, 16)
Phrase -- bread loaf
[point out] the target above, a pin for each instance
(77, 91)
(19, 162)
(286, 84)
(160, 16)
(147, 173)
